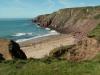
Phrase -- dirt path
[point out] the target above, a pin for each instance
(43, 47)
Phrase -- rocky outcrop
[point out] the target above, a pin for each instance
(10, 50)
(71, 20)
(86, 49)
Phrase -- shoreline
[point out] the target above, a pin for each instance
(40, 46)
(33, 40)
(52, 32)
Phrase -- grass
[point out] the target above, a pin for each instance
(49, 67)
(95, 33)
(97, 16)
(60, 52)
(34, 67)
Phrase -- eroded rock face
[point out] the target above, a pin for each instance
(10, 50)
(86, 49)
(69, 20)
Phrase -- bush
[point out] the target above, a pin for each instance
(95, 33)
(60, 52)
(97, 16)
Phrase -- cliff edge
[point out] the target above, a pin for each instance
(10, 50)
(71, 20)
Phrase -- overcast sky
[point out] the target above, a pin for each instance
(32, 8)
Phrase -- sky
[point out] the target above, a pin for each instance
(33, 8)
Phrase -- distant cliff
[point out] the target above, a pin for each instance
(71, 20)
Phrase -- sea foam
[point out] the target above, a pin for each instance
(52, 32)
(22, 34)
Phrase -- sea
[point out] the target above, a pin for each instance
(21, 30)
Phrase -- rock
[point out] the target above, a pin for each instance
(70, 20)
(86, 49)
(10, 50)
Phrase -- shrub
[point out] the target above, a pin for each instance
(95, 33)
(60, 52)
(97, 16)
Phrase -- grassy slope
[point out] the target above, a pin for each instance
(55, 67)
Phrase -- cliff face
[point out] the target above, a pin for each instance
(71, 20)
(86, 49)
(10, 50)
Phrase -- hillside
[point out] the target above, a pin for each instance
(82, 22)
(71, 20)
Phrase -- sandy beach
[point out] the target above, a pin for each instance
(41, 47)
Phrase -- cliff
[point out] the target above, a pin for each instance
(71, 20)
(86, 49)
(10, 50)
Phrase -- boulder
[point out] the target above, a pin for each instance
(10, 50)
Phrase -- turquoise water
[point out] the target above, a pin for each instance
(19, 29)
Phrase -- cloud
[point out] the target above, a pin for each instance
(51, 3)
(62, 0)
(65, 3)
(21, 4)
(82, 4)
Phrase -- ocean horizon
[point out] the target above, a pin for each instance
(22, 29)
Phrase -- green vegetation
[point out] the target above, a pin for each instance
(49, 67)
(60, 52)
(95, 33)
(35, 67)
(97, 16)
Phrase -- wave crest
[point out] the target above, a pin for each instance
(52, 32)
(22, 34)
